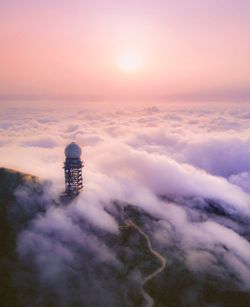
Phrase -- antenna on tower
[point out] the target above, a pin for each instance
(73, 170)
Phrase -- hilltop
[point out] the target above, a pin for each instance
(13, 218)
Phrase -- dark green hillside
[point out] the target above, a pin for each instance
(10, 181)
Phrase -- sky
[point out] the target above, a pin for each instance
(76, 50)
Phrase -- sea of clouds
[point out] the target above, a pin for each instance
(165, 160)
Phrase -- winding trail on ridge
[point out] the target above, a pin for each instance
(149, 302)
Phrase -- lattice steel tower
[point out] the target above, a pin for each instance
(73, 170)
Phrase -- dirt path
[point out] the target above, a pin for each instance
(149, 302)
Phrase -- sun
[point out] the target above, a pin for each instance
(129, 62)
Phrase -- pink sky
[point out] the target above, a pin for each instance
(190, 48)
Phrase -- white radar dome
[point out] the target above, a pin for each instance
(73, 151)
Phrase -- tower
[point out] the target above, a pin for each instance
(73, 170)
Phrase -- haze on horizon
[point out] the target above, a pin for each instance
(179, 50)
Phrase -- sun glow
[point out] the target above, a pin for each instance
(129, 62)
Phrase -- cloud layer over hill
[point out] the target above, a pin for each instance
(188, 168)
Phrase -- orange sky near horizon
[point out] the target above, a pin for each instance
(70, 48)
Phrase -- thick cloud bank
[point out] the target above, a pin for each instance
(184, 171)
